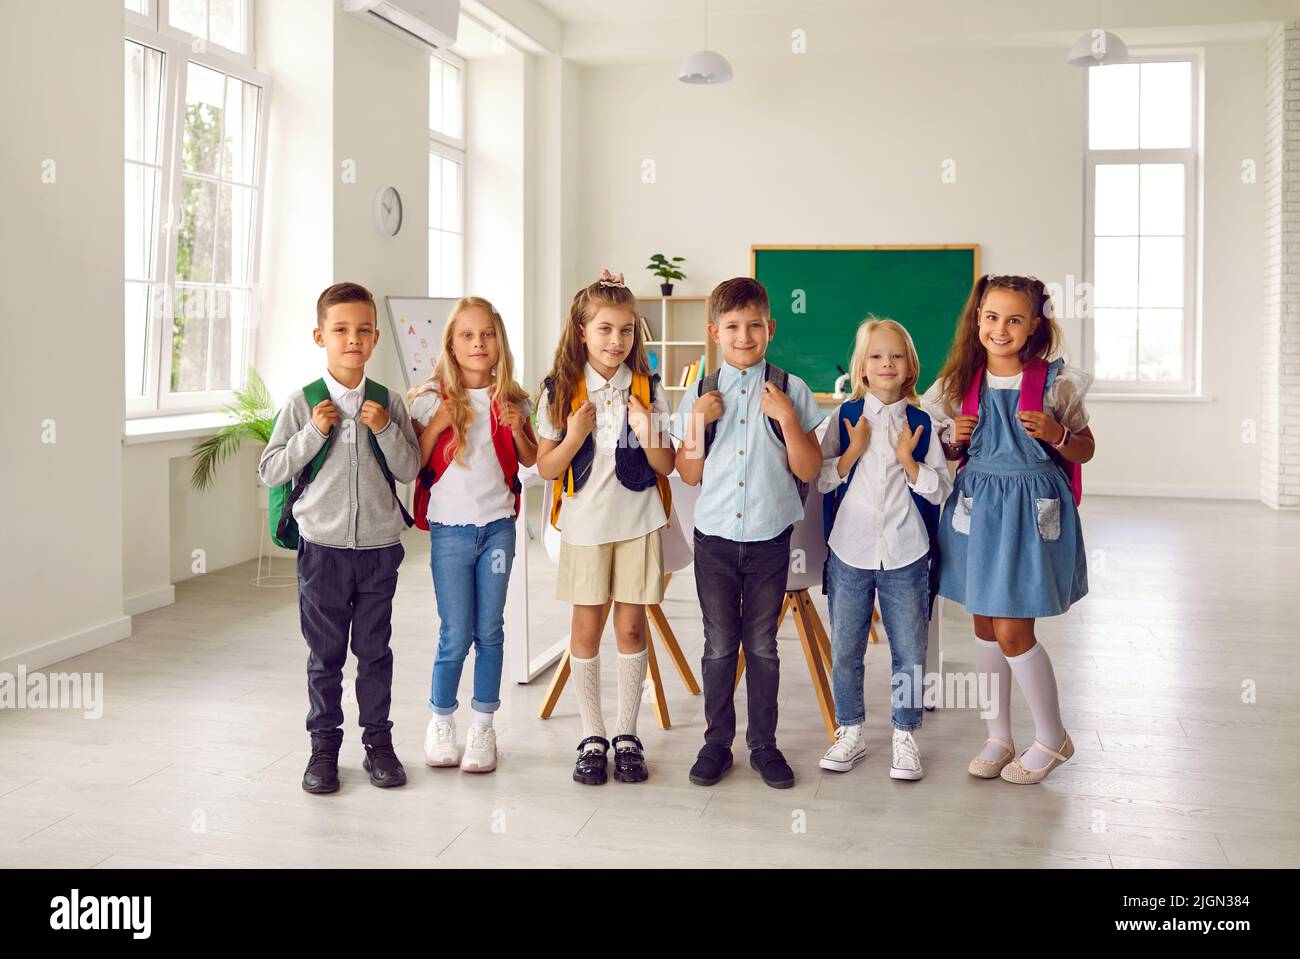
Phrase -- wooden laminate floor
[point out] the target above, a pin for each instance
(1178, 676)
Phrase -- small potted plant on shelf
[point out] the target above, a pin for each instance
(666, 269)
(254, 414)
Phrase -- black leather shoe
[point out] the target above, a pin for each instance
(712, 762)
(771, 765)
(629, 760)
(322, 775)
(592, 767)
(384, 767)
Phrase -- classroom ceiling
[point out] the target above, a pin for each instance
(614, 31)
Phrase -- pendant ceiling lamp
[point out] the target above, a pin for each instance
(705, 66)
(1097, 48)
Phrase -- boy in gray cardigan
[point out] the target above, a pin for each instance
(350, 522)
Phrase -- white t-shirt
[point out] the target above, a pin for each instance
(604, 510)
(473, 493)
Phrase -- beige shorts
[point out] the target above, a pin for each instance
(629, 571)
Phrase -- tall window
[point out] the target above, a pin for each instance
(446, 175)
(1141, 216)
(195, 115)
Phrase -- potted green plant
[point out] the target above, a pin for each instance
(666, 269)
(254, 414)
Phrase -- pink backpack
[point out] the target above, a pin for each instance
(1033, 384)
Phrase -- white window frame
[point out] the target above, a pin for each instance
(158, 16)
(452, 148)
(178, 50)
(1190, 157)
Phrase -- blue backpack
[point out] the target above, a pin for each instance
(852, 411)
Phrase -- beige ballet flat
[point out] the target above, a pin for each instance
(990, 768)
(1014, 772)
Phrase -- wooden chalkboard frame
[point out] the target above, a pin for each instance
(756, 247)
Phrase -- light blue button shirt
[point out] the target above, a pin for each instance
(747, 492)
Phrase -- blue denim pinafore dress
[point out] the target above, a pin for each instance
(1010, 538)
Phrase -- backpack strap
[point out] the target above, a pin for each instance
(563, 485)
(929, 511)
(642, 388)
(781, 380)
(970, 405)
(849, 410)
(315, 393)
(379, 393)
(1034, 381)
(708, 385)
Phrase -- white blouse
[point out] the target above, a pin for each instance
(604, 510)
(1063, 399)
(473, 493)
(878, 526)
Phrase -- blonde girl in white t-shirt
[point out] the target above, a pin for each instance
(472, 420)
(602, 424)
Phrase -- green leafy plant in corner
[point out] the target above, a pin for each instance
(254, 413)
(662, 266)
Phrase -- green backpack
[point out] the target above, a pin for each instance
(279, 514)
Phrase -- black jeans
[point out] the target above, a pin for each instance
(741, 587)
(342, 592)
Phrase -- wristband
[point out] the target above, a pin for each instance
(1064, 439)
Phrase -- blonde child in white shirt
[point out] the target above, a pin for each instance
(471, 418)
(884, 507)
(609, 452)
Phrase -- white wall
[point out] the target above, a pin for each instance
(381, 124)
(843, 148)
(61, 236)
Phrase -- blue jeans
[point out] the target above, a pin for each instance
(904, 607)
(471, 570)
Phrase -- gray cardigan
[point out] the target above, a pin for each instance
(348, 504)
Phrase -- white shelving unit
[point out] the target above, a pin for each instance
(678, 335)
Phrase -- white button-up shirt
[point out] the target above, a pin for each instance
(346, 401)
(604, 510)
(878, 526)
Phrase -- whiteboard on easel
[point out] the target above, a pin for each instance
(417, 323)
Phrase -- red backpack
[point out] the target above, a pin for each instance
(1033, 384)
(503, 441)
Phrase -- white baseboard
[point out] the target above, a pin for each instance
(153, 599)
(1167, 492)
(57, 650)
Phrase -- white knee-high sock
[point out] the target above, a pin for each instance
(1033, 671)
(631, 679)
(586, 686)
(993, 674)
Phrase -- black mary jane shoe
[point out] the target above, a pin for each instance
(593, 764)
(629, 761)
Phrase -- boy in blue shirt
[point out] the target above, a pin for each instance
(747, 435)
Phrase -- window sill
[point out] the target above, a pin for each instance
(159, 429)
(1095, 397)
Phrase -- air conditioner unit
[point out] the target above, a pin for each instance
(430, 23)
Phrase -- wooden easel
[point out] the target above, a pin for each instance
(816, 650)
(657, 622)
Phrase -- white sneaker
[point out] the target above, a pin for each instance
(480, 749)
(440, 742)
(907, 758)
(849, 750)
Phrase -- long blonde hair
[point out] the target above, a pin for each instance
(448, 381)
(571, 352)
(858, 365)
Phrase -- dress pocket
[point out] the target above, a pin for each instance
(1049, 518)
(961, 514)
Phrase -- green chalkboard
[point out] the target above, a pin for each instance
(923, 288)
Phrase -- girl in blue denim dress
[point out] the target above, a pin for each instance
(884, 477)
(471, 418)
(1009, 536)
